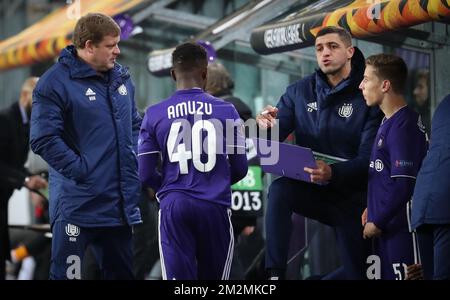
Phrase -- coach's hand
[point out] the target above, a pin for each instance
(267, 119)
(321, 174)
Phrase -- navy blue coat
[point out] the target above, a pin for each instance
(431, 198)
(86, 128)
(334, 121)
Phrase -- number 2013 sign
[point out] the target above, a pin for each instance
(246, 197)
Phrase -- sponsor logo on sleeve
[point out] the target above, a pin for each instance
(403, 163)
(377, 165)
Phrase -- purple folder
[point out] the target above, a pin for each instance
(289, 161)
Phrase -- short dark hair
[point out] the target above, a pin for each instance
(189, 56)
(94, 27)
(390, 67)
(344, 35)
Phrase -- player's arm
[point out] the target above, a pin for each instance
(148, 155)
(407, 146)
(238, 167)
(400, 193)
(147, 170)
(136, 120)
(237, 156)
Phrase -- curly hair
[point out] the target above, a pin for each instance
(189, 56)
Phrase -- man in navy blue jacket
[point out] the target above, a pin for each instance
(85, 125)
(431, 199)
(327, 112)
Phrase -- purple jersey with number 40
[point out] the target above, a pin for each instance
(194, 132)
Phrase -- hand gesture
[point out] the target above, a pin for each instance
(35, 182)
(267, 119)
(321, 174)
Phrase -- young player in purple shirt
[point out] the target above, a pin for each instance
(200, 139)
(397, 153)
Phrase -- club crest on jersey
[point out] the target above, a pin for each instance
(122, 90)
(346, 110)
(72, 231)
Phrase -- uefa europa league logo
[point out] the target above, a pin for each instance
(374, 12)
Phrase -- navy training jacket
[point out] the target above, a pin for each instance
(86, 128)
(335, 121)
(431, 198)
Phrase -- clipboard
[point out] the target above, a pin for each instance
(289, 159)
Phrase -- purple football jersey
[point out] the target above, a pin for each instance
(398, 151)
(194, 132)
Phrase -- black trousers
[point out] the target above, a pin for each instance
(325, 205)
